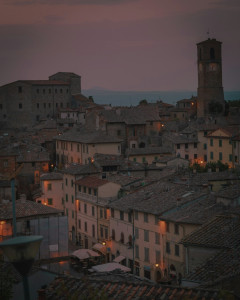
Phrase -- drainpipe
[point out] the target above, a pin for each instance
(133, 241)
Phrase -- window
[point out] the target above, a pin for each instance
(234, 145)
(145, 217)
(49, 105)
(205, 133)
(130, 217)
(55, 91)
(93, 230)
(195, 156)
(84, 189)
(136, 233)
(1, 106)
(95, 192)
(101, 213)
(85, 226)
(122, 238)
(61, 105)
(79, 188)
(106, 233)
(146, 235)
(144, 159)
(167, 227)
(72, 183)
(176, 228)
(186, 156)
(220, 143)
(66, 181)
(157, 238)
(44, 105)
(211, 155)
(19, 89)
(37, 105)
(56, 104)
(50, 201)
(105, 213)
(113, 234)
(112, 212)
(136, 251)
(177, 250)
(37, 91)
(195, 145)
(178, 146)
(66, 197)
(186, 146)
(5, 163)
(146, 254)
(230, 157)
(49, 91)
(158, 257)
(121, 215)
(136, 215)
(205, 146)
(85, 208)
(220, 155)
(67, 211)
(89, 191)
(61, 91)
(43, 91)
(49, 186)
(62, 201)
(211, 142)
(118, 132)
(168, 250)
(134, 159)
(72, 199)
(93, 211)
(72, 214)
(156, 220)
(79, 224)
(20, 106)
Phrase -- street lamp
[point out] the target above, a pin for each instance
(21, 252)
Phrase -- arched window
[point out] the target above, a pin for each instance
(122, 238)
(113, 234)
(130, 240)
(212, 53)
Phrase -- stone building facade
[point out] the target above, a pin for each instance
(25, 102)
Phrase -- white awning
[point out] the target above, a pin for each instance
(110, 267)
(119, 258)
(84, 253)
(99, 247)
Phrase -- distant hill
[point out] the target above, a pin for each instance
(128, 98)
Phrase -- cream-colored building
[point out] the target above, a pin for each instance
(77, 147)
(52, 190)
(220, 146)
(138, 235)
(92, 198)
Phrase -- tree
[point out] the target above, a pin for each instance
(143, 102)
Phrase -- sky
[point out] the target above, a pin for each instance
(141, 45)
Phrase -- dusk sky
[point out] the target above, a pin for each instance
(117, 44)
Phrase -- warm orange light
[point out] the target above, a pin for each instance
(103, 243)
(156, 265)
(192, 103)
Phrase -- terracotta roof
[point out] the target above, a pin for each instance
(157, 198)
(51, 176)
(148, 150)
(82, 136)
(122, 288)
(76, 169)
(25, 209)
(220, 233)
(91, 181)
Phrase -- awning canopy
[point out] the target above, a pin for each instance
(84, 253)
(110, 267)
(99, 247)
(119, 258)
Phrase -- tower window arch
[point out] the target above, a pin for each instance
(212, 53)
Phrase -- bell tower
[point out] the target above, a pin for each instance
(210, 100)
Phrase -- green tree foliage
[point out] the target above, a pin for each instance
(210, 165)
(143, 102)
